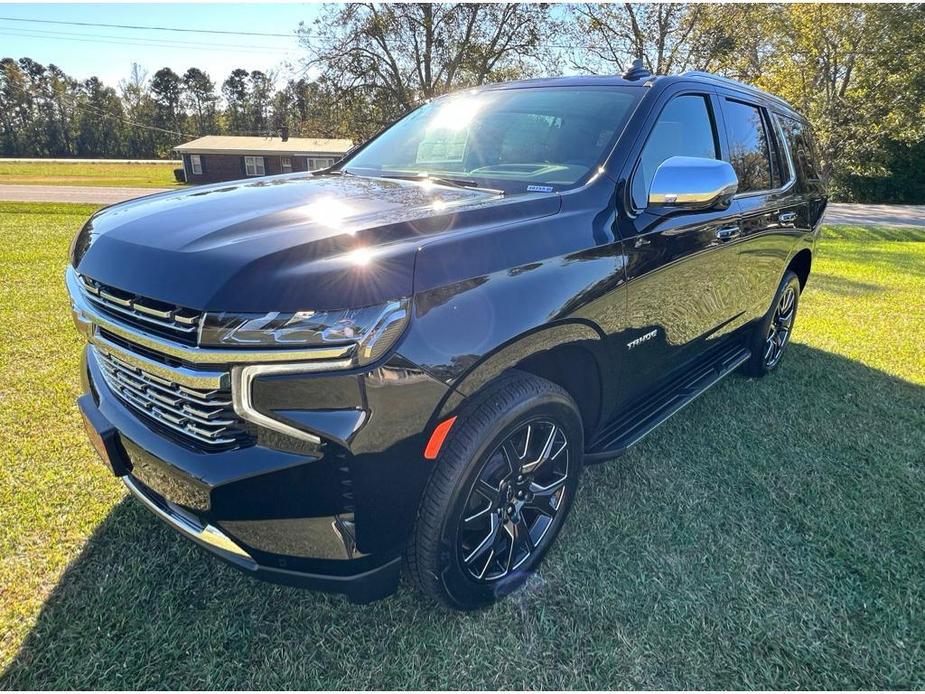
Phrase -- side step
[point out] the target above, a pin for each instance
(644, 416)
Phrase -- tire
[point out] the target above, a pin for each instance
(502, 431)
(772, 334)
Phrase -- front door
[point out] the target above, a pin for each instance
(681, 266)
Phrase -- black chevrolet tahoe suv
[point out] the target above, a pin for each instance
(404, 360)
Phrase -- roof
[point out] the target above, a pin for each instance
(233, 144)
(618, 81)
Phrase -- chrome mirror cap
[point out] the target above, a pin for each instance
(692, 182)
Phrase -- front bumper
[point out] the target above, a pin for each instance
(362, 587)
(330, 510)
(288, 520)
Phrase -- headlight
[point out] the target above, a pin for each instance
(373, 329)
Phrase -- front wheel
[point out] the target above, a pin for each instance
(502, 487)
(772, 334)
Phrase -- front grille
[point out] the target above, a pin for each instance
(205, 417)
(166, 320)
(140, 350)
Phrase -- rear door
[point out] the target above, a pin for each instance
(804, 158)
(680, 264)
(770, 199)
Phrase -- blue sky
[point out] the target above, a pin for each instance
(108, 53)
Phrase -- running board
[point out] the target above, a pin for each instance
(642, 418)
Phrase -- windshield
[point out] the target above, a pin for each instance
(541, 138)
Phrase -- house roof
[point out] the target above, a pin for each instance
(233, 144)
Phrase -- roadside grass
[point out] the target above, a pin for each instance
(772, 535)
(78, 173)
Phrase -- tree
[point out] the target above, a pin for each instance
(856, 71)
(63, 94)
(234, 90)
(608, 37)
(309, 109)
(169, 119)
(393, 56)
(670, 38)
(200, 101)
(140, 113)
(260, 86)
(101, 122)
(166, 91)
(38, 122)
(15, 110)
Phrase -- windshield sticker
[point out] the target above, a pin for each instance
(539, 189)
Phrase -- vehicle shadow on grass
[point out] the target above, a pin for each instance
(769, 536)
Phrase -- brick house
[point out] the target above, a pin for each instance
(225, 158)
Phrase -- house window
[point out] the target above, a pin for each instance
(315, 163)
(286, 163)
(253, 166)
(195, 163)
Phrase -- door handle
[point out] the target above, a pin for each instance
(787, 217)
(728, 233)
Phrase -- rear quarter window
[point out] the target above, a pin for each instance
(802, 147)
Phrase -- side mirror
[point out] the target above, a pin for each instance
(694, 183)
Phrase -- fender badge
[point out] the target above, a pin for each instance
(644, 338)
(539, 189)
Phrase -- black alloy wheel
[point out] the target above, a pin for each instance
(771, 334)
(780, 326)
(501, 488)
(514, 501)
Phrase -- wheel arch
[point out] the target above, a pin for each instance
(801, 263)
(571, 355)
(573, 368)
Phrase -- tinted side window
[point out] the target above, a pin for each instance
(802, 148)
(748, 146)
(684, 129)
(780, 171)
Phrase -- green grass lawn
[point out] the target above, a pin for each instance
(88, 174)
(771, 535)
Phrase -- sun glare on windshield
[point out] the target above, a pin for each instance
(514, 140)
(457, 113)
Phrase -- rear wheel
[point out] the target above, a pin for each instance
(772, 334)
(502, 487)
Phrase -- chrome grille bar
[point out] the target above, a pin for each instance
(176, 320)
(90, 318)
(204, 415)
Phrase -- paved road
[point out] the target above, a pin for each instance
(99, 195)
(886, 215)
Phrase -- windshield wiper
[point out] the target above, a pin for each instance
(445, 181)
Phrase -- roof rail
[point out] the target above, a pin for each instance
(736, 83)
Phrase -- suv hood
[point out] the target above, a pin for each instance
(285, 243)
